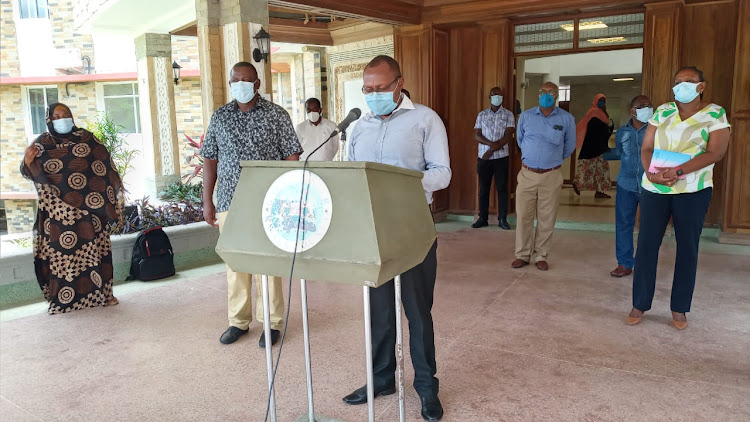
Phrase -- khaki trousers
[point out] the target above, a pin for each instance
(239, 296)
(536, 197)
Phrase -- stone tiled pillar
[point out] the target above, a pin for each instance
(158, 120)
(225, 37)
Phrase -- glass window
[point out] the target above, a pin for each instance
(544, 36)
(121, 103)
(564, 93)
(33, 9)
(39, 101)
(610, 30)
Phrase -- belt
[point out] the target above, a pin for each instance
(541, 171)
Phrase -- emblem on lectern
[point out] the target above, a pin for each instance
(282, 211)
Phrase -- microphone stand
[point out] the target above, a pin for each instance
(342, 146)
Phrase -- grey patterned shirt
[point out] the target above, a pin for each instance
(265, 132)
(493, 125)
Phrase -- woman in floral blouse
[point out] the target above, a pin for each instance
(684, 140)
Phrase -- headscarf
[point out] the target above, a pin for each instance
(51, 127)
(594, 112)
(77, 169)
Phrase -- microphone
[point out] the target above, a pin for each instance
(352, 116)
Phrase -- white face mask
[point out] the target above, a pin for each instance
(242, 91)
(313, 116)
(63, 126)
(644, 114)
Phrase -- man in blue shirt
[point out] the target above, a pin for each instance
(546, 136)
(404, 134)
(629, 140)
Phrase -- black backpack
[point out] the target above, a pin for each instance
(152, 257)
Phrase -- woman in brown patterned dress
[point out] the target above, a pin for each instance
(592, 139)
(80, 194)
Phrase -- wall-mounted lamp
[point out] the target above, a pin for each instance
(263, 39)
(176, 72)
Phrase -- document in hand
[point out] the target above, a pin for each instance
(667, 159)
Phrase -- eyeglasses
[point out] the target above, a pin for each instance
(386, 89)
(548, 91)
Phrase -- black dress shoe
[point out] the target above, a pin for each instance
(480, 223)
(274, 338)
(231, 335)
(359, 396)
(503, 224)
(432, 410)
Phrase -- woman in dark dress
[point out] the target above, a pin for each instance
(80, 194)
(592, 138)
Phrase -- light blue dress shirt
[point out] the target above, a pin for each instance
(546, 141)
(412, 137)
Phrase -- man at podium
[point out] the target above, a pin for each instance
(401, 133)
(248, 128)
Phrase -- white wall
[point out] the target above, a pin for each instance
(615, 62)
(35, 52)
(115, 53)
(353, 97)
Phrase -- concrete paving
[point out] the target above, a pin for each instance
(512, 345)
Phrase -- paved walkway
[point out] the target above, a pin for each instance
(513, 345)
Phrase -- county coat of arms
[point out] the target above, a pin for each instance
(283, 212)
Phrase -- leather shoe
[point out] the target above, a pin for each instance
(359, 396)
(680, 325)
(503, 224)
(576, 190)
(518, 263)
(542, 265)
(232, 334)
(620, 271)
(480, 223)
(274, 338)
(432, 410)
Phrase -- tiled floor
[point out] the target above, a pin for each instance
(512, 345)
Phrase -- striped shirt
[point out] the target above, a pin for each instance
(493, 125)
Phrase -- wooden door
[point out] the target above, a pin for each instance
(440, 62)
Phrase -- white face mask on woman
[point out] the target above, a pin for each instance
(63, 126)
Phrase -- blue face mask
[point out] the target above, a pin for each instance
(381, 103)
(685, 92)
(547, 100)
(63, 126)
(496, 100)
(644, 114)
(601, 103)
(243, 91)
(518, 110)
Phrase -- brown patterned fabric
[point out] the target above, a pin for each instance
(80, 193)
(592, 174)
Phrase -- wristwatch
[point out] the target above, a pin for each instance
(679, 171)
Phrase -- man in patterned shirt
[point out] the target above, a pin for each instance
(248, 128)
(493, 130)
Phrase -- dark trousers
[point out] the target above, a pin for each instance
(626, 208)
(487, 169)
(688, 211)
(417, 286)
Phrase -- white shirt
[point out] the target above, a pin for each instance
(412, 137)
(311, 136)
